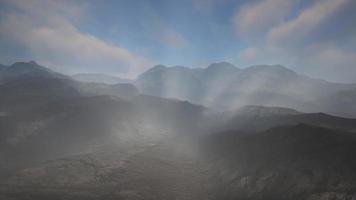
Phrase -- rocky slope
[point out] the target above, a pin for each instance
(289, 162)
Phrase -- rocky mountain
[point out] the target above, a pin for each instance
(223, 86)
(30, 79)
(144, 171)
(2, 67)
(26, 69)
(263, 111)
(49, 116)
(65, 139)
(258, 118)
(287, 162)
(39, 130)
(99, 78)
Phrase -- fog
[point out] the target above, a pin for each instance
(174, 132)
(184, 100)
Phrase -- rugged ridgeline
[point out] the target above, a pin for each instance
(224, 86)
(61, 138)
(257, 118)
(31, 79)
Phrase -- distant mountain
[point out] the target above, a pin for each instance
(175, 82)
(223, 86)
(263, 111)
(30, 79)
(26, 69)
(2, 67)
(287, 162)
(220, 85)
(99, 78)
(66, 139)
(257, 118)
(121, 89)
(184, 83)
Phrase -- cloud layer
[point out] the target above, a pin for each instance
(318, 40)
(47, 31)
(313, 37)
(257, 17)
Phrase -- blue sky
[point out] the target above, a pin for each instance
(126, 37)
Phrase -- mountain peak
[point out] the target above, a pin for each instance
(28, 69)
(158, 67)
(32, 65)
(32, 62)
(25, 63)
(224, 65)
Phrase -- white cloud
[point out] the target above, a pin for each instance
(308, 21)
(318, 41)
(250, 53)
(172, 39)
(265, 54)
(332, 62)
(162, 31)
(258, 17)
(47, 31)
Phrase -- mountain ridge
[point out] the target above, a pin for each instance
(99, 78)
(65, 139)
(223, 86)
(268, 85)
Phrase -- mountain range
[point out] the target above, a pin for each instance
(221, 86)
(263, 132)
(226, 87)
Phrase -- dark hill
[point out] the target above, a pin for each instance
(288, 162)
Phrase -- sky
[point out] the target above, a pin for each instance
(126, 37)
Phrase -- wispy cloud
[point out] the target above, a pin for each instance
(307, 23)
(334, 62)
(47, 31)
(317, 40)
(162, 31)
(172, 39)
(252, 19)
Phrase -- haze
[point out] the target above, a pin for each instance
(125, 38)
(183, 100)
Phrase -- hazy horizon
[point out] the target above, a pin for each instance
(125, 38)
(177, 99)
(169, 66)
